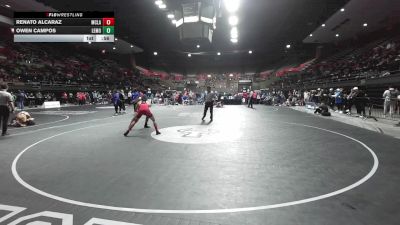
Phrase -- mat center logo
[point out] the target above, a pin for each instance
(198, 134)
(195, 133)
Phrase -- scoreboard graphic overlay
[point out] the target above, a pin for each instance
(64, 26)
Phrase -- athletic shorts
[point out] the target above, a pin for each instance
(147, 113)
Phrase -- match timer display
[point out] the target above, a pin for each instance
(64, 26)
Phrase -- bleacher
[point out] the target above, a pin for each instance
(376, 63)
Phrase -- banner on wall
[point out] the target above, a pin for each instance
(294, 70)
(266, 74)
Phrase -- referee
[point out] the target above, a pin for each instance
(209, 103)
(6, 104)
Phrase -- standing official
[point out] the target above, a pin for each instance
(252, 99)
(209, 103)
(6, 104)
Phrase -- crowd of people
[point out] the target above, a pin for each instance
(340, 100)
(375, 60)
(33, 63)
(367, 61)
(23, 99)
(32, 99)
(62, 65)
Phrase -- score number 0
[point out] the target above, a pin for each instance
(108, 21)
(108, 25)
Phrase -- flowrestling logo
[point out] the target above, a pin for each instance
(12, 214)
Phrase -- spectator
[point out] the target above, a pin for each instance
(331, 96)
(117, 102)
(64, 98)
(129, 97)
(71, 98)
(390, 96)
(95, 98)
(21, 97)
(31, 100)
(350, 99)
(306, 96)
(323, 110)
(339, 99)
(122, 101)
(39, 98)
(360, 102)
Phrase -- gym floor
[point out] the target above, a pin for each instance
(268, 165)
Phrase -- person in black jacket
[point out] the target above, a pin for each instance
(360, 102)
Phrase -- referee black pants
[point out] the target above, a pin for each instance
(4, 115)
(208, 105)
(250, 103)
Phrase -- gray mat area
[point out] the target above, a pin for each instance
(245, 158)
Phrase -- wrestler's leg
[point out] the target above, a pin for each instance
(146, 122)
(155, 124)
(132, 124)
